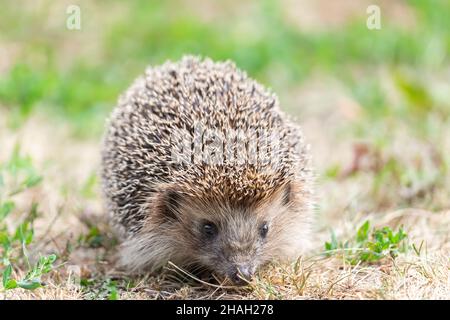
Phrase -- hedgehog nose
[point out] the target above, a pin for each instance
(241, 275)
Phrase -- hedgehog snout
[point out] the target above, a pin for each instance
(241, 274)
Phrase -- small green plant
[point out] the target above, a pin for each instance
(16, 176)
(103, 288)
(93, 239)
(369, 245)
(32, 279)
(113, 292)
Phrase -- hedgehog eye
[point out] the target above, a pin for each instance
(263, 229)
(209, 229)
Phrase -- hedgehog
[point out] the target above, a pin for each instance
(201, 168)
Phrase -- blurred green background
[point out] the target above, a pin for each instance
(77, 75)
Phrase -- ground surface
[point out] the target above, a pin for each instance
(374, 107)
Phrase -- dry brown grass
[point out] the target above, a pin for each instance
(344, 203)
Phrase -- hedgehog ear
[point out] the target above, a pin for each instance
(170, 203)
(287, 193)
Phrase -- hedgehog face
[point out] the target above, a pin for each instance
(233, 247)
(232, 241)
